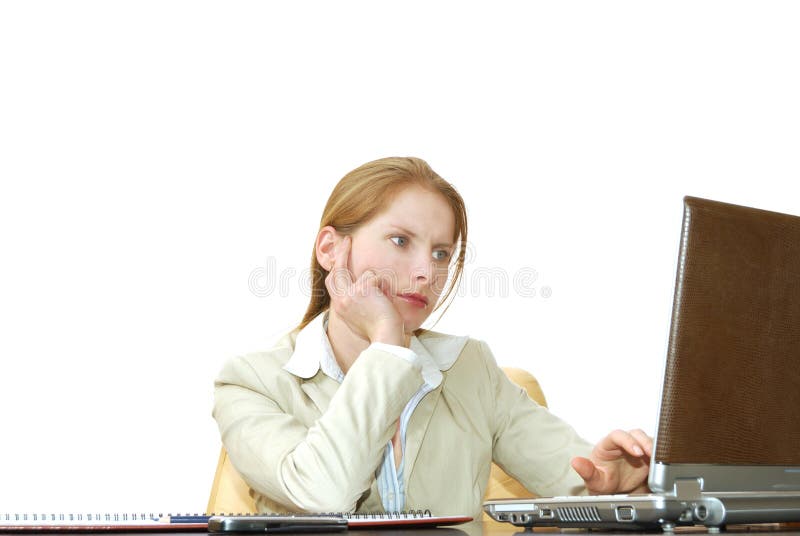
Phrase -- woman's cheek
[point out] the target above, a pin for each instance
(439, 281)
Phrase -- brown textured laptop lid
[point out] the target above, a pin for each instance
(731, 390)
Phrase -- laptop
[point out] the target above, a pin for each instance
(727, 445)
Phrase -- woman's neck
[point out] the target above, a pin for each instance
(346, 344)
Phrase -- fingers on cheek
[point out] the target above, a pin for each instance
(340, 298)
(378, 286)
(383, 286)
(330, 284)
(386, 288)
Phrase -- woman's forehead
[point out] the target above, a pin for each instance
(420, 212)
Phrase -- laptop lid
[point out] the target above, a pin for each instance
(730, 402)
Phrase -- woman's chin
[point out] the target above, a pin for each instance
(412, 314)
(412, 322)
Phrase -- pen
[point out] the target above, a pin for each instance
(184, 518)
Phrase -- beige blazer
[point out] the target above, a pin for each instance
(315, 445)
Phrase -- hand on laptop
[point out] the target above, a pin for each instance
(619, 463)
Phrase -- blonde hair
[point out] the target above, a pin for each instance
(362, 194)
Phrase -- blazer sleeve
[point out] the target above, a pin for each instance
(324, 468)
(530, 443)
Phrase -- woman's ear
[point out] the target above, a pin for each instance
(327, 239)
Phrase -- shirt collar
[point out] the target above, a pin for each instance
(312, 350)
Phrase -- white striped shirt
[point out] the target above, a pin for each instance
(389, 476)
(317, 354)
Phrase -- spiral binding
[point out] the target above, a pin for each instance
(79, 519)
(405, 514)
(134, 518)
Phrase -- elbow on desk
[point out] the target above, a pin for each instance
(319, 500)
(313, 493)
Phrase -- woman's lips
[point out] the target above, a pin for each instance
(415, 299)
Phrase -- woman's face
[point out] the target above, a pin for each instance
(409, 245)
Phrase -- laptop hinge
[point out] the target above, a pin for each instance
(688, 488)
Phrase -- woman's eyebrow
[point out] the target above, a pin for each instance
(412, 234)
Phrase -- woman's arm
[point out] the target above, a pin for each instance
(530, 443)
(548, 457)
(328, 466)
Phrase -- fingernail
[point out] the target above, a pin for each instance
(638, 450)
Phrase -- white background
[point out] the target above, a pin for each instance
(153, 155)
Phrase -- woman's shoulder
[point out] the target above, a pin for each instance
(470, 343)
(473, 374)
(462, 351)
(258, 367)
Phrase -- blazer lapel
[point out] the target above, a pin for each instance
(420, 419)
(417, 428)
(320, 389)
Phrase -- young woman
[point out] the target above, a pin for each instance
(359, 409)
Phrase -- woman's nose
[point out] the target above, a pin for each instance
(423, 269)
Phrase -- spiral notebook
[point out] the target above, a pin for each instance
(146, 522)
(101, 522)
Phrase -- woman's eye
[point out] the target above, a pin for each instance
(441, 255)
(399, 240)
